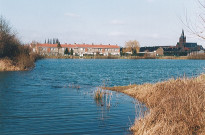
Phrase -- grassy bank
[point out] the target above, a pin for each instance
(18, 63)
(176, 106)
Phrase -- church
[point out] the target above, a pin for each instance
(184, 46)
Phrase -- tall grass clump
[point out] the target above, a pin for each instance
(98, 94)
(176, 107)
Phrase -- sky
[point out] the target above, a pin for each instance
(151, 22)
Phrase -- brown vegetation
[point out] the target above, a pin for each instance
(176, 106)
(13, 55)
(98, 94)
(21, 62)
(199, 57)
(7, 64)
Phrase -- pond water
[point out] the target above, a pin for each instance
(57, 96)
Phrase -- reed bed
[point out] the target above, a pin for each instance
(199, 57)
(176, 106)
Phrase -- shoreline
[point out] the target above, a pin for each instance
(200, 57)
(22, 63)
(7, 64)
(176, 106)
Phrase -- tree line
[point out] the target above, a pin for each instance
(68, 52)
(52, 41)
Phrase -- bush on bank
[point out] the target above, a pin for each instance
(12, 52)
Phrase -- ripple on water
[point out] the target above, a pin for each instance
(47, 100)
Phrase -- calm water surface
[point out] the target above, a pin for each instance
(46, 100)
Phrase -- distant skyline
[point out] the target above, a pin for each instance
(151, 22)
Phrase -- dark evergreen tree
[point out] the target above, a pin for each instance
(66, 51)
(134, 52)
(121, 51)
(53, 41)
(71, 51)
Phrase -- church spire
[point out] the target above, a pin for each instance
(182, 35)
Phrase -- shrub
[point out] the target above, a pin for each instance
(11, 48)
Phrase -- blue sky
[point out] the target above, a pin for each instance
(151, 22)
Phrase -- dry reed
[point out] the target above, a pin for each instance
(98, 95)
(176, 106)
(199, 57)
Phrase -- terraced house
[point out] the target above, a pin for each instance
(77, 49)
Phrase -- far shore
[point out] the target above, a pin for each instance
(176, 106)
(194, 57)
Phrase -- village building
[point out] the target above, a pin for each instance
(152, 51)
(77, 49)
(182, 48)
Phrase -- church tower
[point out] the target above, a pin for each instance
(182, 39)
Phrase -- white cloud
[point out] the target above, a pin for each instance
(117, 34)
(72, 15)
(117, 22)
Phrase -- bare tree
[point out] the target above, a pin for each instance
(132, 46)
(196, 25)
(8, 41)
